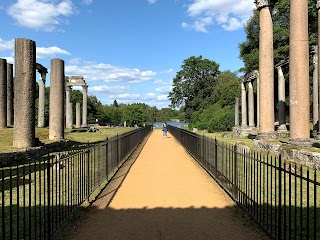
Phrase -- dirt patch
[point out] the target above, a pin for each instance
(164, 194)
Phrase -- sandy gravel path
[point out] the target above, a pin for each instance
(165, 195)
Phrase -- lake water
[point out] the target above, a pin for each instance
(176, 124)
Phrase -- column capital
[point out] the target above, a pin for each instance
(68, 88)
(85, 88)
(318, 4)
(263, 3)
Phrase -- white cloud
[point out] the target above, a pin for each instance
(42, 15)
(152, 1)
(6, 45)
(164, 89)
(108, 73)
(50, 52)
(109, 89)
(87, 2)
(229, 14)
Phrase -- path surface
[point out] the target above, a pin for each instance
(163, 195)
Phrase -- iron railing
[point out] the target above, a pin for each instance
(282, 196)
(38, 195)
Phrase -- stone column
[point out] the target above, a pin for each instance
(299, 73)
(69, 123)
(318, 9)
(243, 106)
(9, 94)
(56, 110)
(84, 105)
(42, 98)
(68, 90)
(266, 72)
(3, 93)
(236, 113)
(78, 115)
(282, 100)
(251, 104)
(315, 89)
(24, 93)
(258, 101)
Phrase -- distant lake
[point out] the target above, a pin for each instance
(176, 124)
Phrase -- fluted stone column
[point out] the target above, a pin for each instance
(78, 115)
(282, 100)
(266, 72)
(315, 89)
(42, 99)
(3, 93)
(9, 94)
(299, 73)
(84, 105)
(251, 104)
(236, 113)
(56, 110)
(24, 93)
(68, 90)
(243, 106)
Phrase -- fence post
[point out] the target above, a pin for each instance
(48, 197)
(280, 199)
(235, 172)
(216, 156)
(88, 172)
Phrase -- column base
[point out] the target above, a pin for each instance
(282, 133)
(300, 142)
(266, 136)
(282, 127)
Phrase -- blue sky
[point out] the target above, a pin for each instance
(128, 50)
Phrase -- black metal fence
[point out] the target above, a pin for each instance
(38, 195)
(282, 196)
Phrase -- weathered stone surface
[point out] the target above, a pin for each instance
(9, 94)
(266, 71)
(299, 76)
(3, 93)
(84, 105)
(56, 108)
(24, 93)
(78, 115)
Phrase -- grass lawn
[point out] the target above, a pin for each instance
(6, 136)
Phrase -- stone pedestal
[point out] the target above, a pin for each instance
(266, 73)
(9, 94)
(299, 72)
(56, 111)
(78, 115)
(24, 93)
(3, 93)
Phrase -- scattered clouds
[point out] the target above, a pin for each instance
(50, 52)
(6, 45)
(229, 14)
(164, 89)
(93, 71)
(152, 1)
(110, 89)
(87, 2)
(43, 15)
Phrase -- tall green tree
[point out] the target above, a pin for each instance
(193, 84)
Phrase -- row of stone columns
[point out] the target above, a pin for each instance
(22, 115)
(299, 73)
